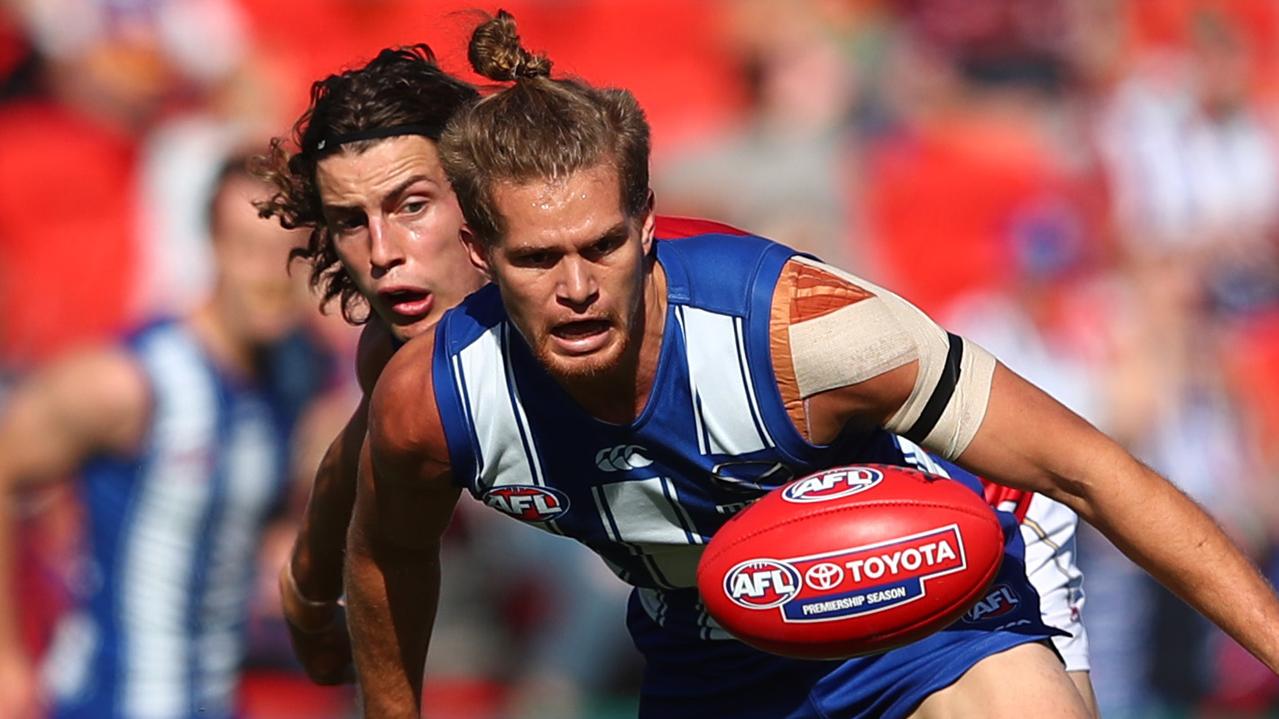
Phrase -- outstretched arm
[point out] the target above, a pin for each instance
(404, 501)
(956, 400)
(311, 580)
(90, 403)
(1031, 441)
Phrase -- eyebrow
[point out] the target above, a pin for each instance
(614, 232)
(620, 230)
(394, 192)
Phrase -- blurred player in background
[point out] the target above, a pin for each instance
(527, 379)
(180, 439)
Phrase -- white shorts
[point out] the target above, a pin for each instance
(1049, 533)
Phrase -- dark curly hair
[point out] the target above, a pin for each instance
(401, 87)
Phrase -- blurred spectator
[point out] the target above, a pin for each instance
(1193, 168)
(967, 159)
(666, 50)
(782, 169)
(69, 199)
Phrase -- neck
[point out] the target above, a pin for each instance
(619, 396)
(218, 337)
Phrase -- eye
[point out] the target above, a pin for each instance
(347, 223)
(605, 246)
(534, 258)
(413, 206)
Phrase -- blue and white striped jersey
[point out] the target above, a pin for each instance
(646, 496)
(158, 626)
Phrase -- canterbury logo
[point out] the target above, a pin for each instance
(621, 458)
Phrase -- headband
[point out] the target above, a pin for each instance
(330, 144)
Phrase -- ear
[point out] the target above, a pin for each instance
(476, 251)
(649, 229)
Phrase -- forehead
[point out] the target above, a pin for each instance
(577, 207)
(354, 177)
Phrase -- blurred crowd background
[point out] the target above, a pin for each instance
(1090, 188)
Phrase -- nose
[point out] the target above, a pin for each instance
(385, 248)
(577, 287)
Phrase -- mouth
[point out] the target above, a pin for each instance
(407, 302)
(581, 336)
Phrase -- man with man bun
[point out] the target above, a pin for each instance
(405, 127)
(715, 349)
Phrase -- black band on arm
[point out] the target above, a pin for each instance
(942, 393)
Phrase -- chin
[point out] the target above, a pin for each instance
(589, 366)
(416, 328)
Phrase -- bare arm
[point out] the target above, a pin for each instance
(1003, 428)
(404, 501)
(91, 403)
(316, 561)
(311, 580)
(1030, 441)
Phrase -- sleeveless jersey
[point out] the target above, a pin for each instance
(174, 533)
(646, 496)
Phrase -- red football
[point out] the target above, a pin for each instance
(851, 561)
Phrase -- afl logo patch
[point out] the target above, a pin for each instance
(761, 583)
(832, 484)
(527, 502)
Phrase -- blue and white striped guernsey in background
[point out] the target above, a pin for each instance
(158, 630)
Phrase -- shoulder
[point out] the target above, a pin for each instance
(404, 420)
(721, 271)
(810, 289)
(106, 378)
(671, 228)
(472, 318)
(102, 395)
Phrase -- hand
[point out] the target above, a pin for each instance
(318, 633)
(20, 695)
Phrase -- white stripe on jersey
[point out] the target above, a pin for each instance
(744, 366)
(723, 394)
(496, 427)
(250, 486)
(521, 420)
(645, 514)
(522, 424)
(692, 391)
(459, 382)
(163, 530)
